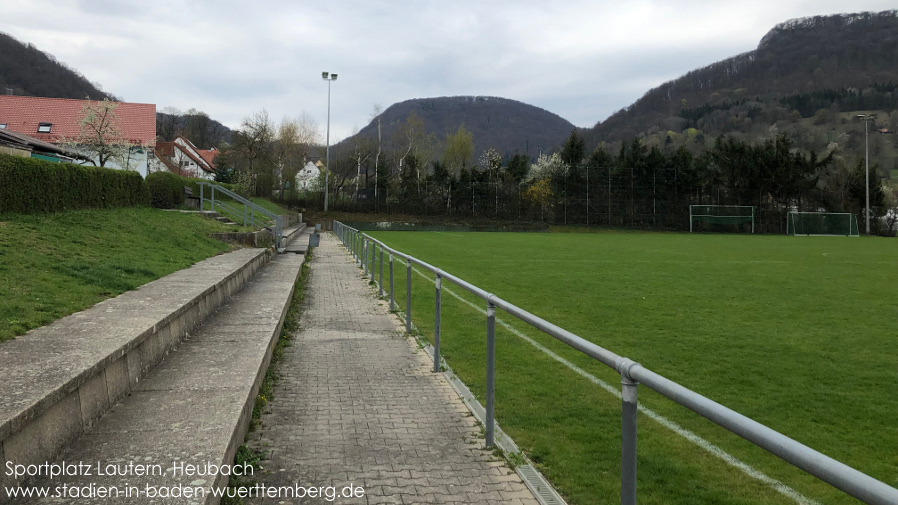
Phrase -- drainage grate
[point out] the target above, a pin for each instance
(538, 485)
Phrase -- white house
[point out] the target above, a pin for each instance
(183, 158)
(307, 177)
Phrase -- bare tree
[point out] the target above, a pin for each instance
(100, 136)
(361, 151)
(285, 152)
(252, 144)
(308, 135)
(458, 150)
(168, 123)
(376, 115)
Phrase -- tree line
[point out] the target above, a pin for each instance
(638, 186)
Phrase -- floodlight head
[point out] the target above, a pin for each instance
(324, 75)
(334, 77)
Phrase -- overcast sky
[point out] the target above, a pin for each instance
(582, 60)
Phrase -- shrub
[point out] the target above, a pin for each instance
(166, 189)
(160, 192)
(30, 185)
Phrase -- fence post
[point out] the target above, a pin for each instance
(629, 402)
(380, 287)
(365, 257)
(436, 324)
(372, 259)
(490, 369)
(392, 296)
(201, 197)
(408, 296)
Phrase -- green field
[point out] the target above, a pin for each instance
(52, 265)
(796, 333)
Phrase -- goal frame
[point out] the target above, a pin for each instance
(852, 224)
(693, 215)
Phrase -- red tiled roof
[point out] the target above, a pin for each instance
(23, 114)
(166, 151)
(209, 155)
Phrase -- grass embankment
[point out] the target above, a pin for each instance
(52, 265)
(797, 333)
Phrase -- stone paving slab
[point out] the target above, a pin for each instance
(194, 407)
(357, 404)
(47, 363)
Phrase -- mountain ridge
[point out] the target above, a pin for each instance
(504, 124)
(842, 53)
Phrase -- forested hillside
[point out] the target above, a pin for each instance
(27, 70)
(808, 78)
(507, 126)
(194, 125)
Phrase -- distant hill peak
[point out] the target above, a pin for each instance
(790, 27)
(28, 71)
(507, 125)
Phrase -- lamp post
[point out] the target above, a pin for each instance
(327, 76)
(867, 118)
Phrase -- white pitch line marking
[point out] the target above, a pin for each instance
(716, 451)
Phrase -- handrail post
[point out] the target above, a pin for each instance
(372, 260)
(201, 196)
(212, 208)
(408, 296)
(490, 370)
(392, 291)
(629, 404)
(244, 214)
(436, 324)
(365, 257)
(380, 289)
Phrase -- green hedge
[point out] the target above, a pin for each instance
(167, 189)
(30, 185)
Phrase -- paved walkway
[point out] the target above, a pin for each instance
(358, 405)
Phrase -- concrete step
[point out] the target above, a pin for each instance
(194, 408)
(59, 379)
(301, 244)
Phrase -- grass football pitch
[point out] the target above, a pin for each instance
(799, 334)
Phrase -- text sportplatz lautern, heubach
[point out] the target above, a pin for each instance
(177, 469)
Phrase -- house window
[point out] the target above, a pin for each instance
(2, 126)
(44, 127)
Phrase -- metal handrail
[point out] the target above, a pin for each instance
(249, 212)
(853, 482)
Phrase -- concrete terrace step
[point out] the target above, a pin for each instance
(194, 408)
(59, 379)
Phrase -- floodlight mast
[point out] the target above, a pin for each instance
(867, 118)
(327, 76)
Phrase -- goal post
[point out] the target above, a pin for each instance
(822, 224)
(723, 215)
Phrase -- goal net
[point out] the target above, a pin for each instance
(821, 223)
(727, 218)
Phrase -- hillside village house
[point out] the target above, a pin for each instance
(307, 177)
(57, 121)
(183, 158)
